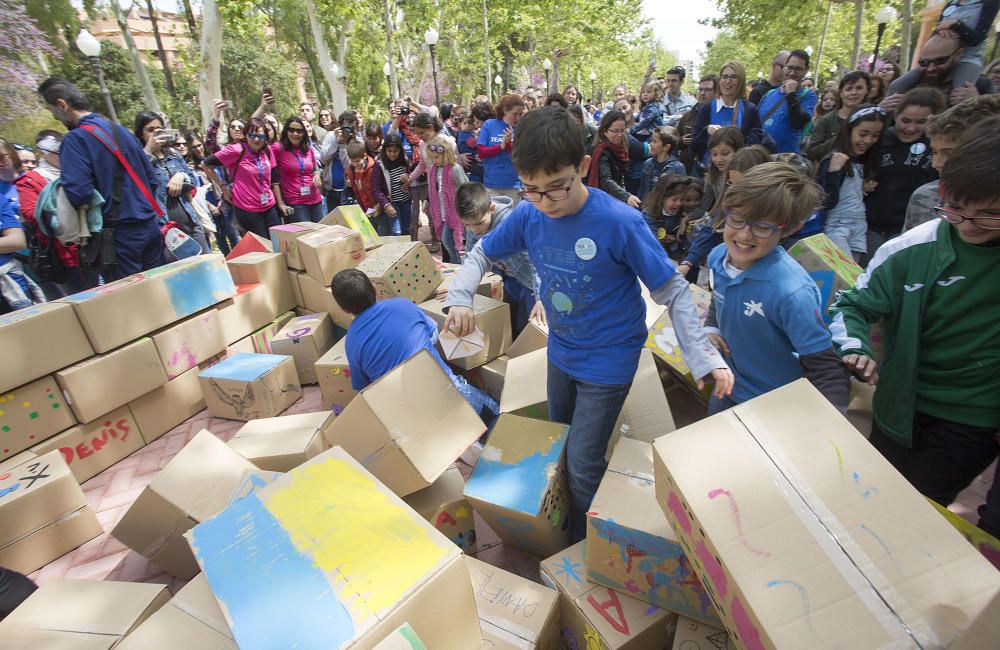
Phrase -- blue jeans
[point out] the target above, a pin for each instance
(482, 404)
(521, 302)
(386, 225)
(720, 404)
(139, 246)
(448, 242)
(590, 410)
(307, 212)
(225, 234)
(404, 210)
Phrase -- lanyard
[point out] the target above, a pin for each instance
(302, 163)
(260, 169)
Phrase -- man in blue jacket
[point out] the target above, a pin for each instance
(88, 165)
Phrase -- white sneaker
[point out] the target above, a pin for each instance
(471, 455)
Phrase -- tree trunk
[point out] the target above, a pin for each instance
(333, 81)
(137, 65)
(393, 83)
(859, 17)
(486, 52)
(904, 51)
(168, 78)
(818, 65)
(192, 30)
(343, 43)
(210, 77)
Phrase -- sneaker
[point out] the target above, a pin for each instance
(471, 455)
(434, 246)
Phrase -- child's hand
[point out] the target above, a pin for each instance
(838, 160)
(390, 210)
(869, 186)
(684, 268)
(891, 103)
(633, 201)
(724, 381)
(461, 321)
(712, 128)
(538, 314)
(863, 367)
(962, 93)
(404, 179)
(719, 343)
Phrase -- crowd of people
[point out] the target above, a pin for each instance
(571, 202)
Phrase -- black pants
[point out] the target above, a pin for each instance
(944, 459)
(259, 223)
(14, 589)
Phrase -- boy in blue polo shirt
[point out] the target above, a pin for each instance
(590, 251)
(765, 314)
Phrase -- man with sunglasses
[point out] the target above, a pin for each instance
(937, 63)
(787, 109)
(936, 409)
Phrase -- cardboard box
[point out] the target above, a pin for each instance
(161, 410)
(250, 386)
(327, 251)
(594, 616)
(268, 269)
(492, 319)
(262, 338)
(402, 638)
(489, 377)
(191, 619)
(281, 444)
(519, 484)
(832, 269)
(328, 542)
(105, 382)
(184, 345)
(30, 414)
(28, 639)
(91, 448)
(318, 298)
(802, 526)
(404, 270)
(694, 635)
(38, 340)
(16, 459)
(408, 427)
(490, 286)
(293, 278)
(525, 387)
(630, 546)
(283, 238)
(306, 339)
(444, 506)
(122, 311)
(532, 337)
(44, 513)
(103, 609)
(334, 376)
(196, 484)
(514, 611)
(249, 310)
(244, 345)
(250, 243)
(353, 217)
(662, 341)
(646, 413)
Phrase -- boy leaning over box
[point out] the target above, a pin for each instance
(766, 310)
(936, 408)
(590, 252)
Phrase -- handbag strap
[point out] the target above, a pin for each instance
(111, 143)
(774, 108)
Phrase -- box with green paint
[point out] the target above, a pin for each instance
(30, 414)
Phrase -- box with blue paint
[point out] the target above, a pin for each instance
(630, 545)
(250, 386)
(327, 556)
(519, 484)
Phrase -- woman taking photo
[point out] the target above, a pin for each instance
(299, 196)
(729, 108)
(851, 92)
(609, 159)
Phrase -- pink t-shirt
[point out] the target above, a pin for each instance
(295, 171)
(252, 181)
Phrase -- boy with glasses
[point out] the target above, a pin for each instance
(787, 109)
(765, 313)
(936, 408)
(590, 251)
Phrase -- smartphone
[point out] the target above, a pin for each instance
(269, 92)
(228, 105)
(170, 136)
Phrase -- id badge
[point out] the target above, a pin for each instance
(304, 190)
(265, 198)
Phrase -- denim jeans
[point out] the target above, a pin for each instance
(448, 242)
(719, 404)
(481, 403)
(225, 234)
(590, 410)
(313, 212)
(404, 212)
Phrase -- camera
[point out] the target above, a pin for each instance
(347, 131)
(170, 136)
(404, 109)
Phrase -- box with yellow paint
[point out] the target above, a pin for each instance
(326, 556)
(662, 340)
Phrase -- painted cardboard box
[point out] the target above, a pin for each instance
(694, 635)
(525, 387)
(408, 427)
(250, 482)
(191, 619)
(250, 386)
(646, 413)
(196, 484)
(264, 337)
(44, 513)
(251, 308)
(337, 560)
(594, 616)
(662, 340)
(306, 339)
(318, 298)
(327, 251)
(490, 377)
(514, 612)
(630, 545)
(443, 505)
(353, 217)
(985, 543)
(403, 270)
(789, 476)
(30, 414)
(38, 340)
(402, 638)
(280, 444)
(334, 376)
(250, 243)
(519, 484)
(284, 239)
(193, 340)
(268, 269)
(492, 319)
(162, 409)
(106, 610)
(122, 311)
(91, 448)
(490, 286)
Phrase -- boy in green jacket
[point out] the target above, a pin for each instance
(934, 288)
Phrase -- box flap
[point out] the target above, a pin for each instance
(447, 489)
(525, 383)
(532, 337)
(243, 367)
(567, 571)
(510, 602)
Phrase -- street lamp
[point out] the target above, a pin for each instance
(809, 50)
(548, 66)
(498, 80)
(593, 76)
(431, 38)
(91, 48)
(885, 14)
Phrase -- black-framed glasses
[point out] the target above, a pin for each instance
(938, 61)
(759, 229)
(555, 194)
(956, 218)
(794, 68)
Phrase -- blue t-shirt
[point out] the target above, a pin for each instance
(498, 170)
(778, 125)
(8, 219)
(384, 336)
(588, 263)
(769, 315)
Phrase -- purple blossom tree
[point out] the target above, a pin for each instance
(20, 40)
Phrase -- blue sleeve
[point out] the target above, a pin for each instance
(359, 376)
(676, 167)
(799, 316)
(645, 256)
(484, 135)
(651, 222)
(705, 238)
(508, 237)
(8, 215)
(651, 119)
(75, 175)
(809, 102)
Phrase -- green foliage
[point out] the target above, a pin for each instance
(249, 66)
(126, 94)
(57, 18)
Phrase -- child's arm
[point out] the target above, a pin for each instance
(830, 176)
(458, 303)
(650, 119)
(973, 35)
(828, 374)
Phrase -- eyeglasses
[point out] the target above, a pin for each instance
(956, 218)
(257, 136)
(795, 68)
(760, 229)
(615, 131)
(729, 77)
(555, 194)
(237, 126)
(181, 144)
(293, 129)
(436, 148)
(941, 60)
(20, 147)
